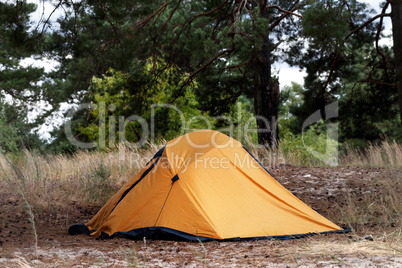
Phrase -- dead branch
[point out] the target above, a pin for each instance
(376, 82)
(107, 18)
(143, 22)
(274, 46)
(284, 10)
(171, 14)
(290, 12)
(235, 66)
(243, 34)
(48, 18)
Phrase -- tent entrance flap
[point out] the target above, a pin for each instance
(174, 179)
(157, 156)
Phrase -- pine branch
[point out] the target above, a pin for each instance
(18, 96)
(366, 23)
(346, 38)
(191, 77)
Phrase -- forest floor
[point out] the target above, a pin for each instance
(331, 191)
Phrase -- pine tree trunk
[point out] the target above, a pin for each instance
(397, 36)
(266, 98)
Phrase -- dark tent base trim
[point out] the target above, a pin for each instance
(163, 233)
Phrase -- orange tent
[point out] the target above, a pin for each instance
(204, 185)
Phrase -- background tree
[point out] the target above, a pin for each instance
(351, 68)
(17, 43)
(228, 45)
(145, 96)
(19, 86)
(237, 45)
(397, 37)
(92, 37)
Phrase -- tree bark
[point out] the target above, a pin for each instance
(397, 37)
(266, 98)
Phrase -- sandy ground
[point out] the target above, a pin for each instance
(324, 189)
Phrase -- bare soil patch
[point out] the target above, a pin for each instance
(327, 190)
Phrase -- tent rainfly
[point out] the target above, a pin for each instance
(204, 186)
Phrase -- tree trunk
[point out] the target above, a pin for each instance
(266, 98)
(397, 36)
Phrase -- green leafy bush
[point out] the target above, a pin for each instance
(165, 102)
(312, 147)
(8, 138)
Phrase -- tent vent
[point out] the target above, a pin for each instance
(175, 178)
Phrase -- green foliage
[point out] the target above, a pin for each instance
(18, 42)
(290, 98)
(312, 147)
(326, 23)
(19, 86)
(15, 130)
(8, 137)
(243, 122)
(119, 96)
(111, 53)
(92, 38)
(96, 182)
(369, 107)
(361, 80)
(218, 42)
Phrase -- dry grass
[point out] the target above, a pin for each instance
(92, 176)
(385, 154)
(327, 248)
(383, 208)
(377, 210)
(268, 157)
(51, 181)
(276, 157)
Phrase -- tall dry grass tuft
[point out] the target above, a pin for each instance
(380, 208)
(268, 157)
(385, 154)
(49, 182)
(86, 177)
(381, 205)
(276, 157)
